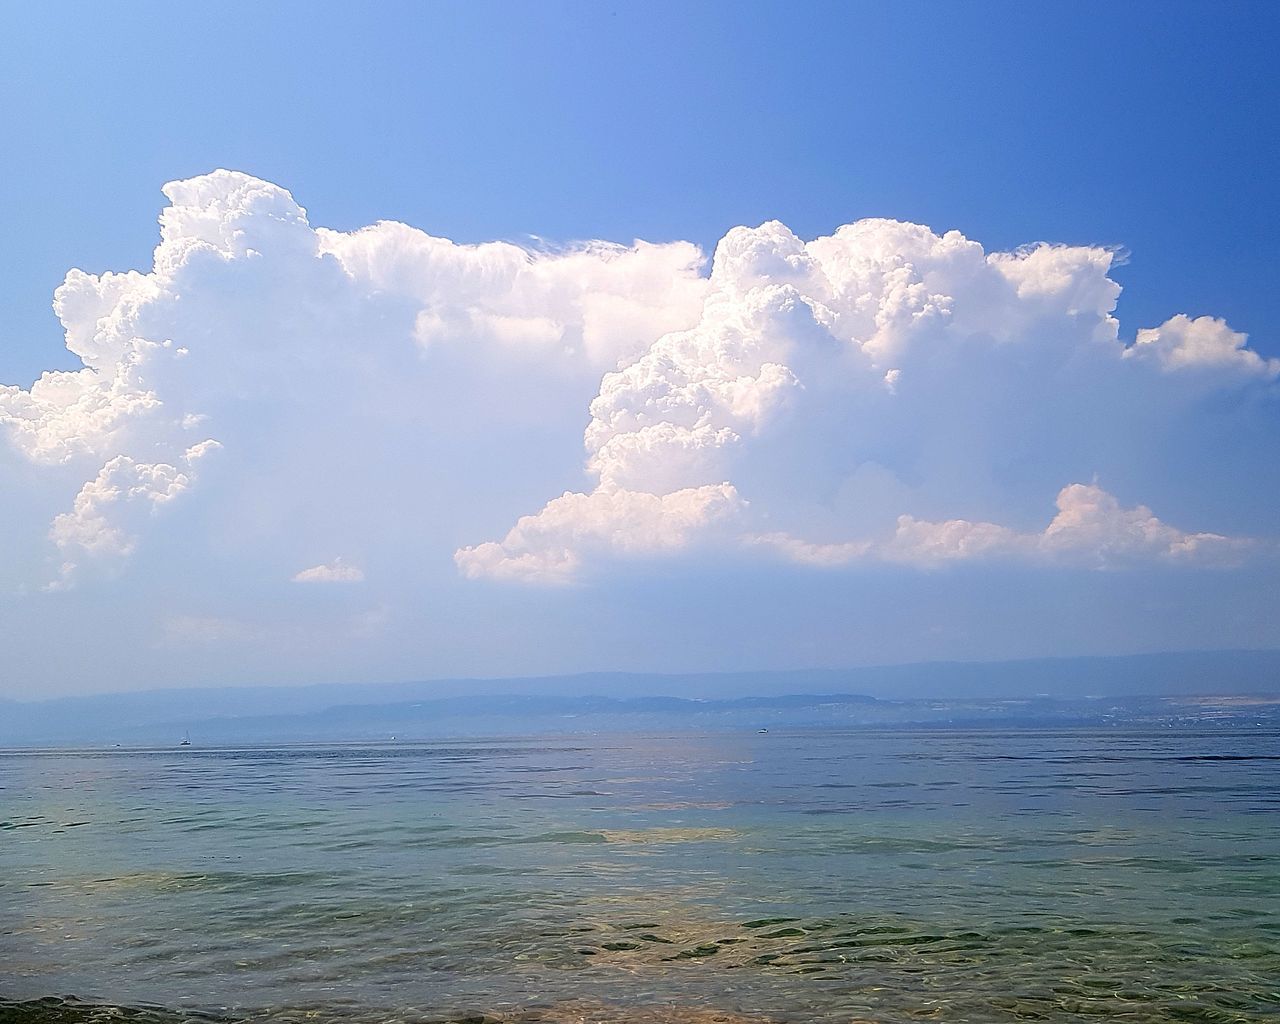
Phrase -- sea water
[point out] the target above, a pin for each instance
(806, 876)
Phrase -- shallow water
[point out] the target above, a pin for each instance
(818, 876)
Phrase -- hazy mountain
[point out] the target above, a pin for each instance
(1061, 690)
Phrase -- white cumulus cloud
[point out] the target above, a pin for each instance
(368, 359)
(550, 547)
(1090, 530)
(1205, 343)
(886, 344)
(885, 393)
(97, 523)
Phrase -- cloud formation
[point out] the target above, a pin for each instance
(873, 340)
(883, 394)
(336, 571)
(1090, 530)
(1203, 344)
(95, 526)
(551, 546)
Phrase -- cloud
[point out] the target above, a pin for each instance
(336, 571)
(1091, 530)
(371, 358)
(886, 344)
(599, 304)
(550, 546)
(96, 525)
(1091, 527)
(1206, 343)
(886, 393)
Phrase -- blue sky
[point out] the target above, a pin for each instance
(1147, 129)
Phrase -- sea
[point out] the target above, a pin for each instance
(822, 875)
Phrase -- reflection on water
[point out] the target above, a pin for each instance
(822, 876)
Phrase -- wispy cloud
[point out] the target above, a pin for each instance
(336, 571)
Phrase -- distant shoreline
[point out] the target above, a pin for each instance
(1198, 687)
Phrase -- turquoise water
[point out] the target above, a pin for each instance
(818, 876)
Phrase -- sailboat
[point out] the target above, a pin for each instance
(186, 740)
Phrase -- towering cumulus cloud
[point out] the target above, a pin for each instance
(883, 360)
(271, 392)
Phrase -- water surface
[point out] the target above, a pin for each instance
(809, 876)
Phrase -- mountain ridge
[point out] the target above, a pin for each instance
(103, 717)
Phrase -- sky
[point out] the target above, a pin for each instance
(427, 340)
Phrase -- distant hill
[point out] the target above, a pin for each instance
(1034, 692)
